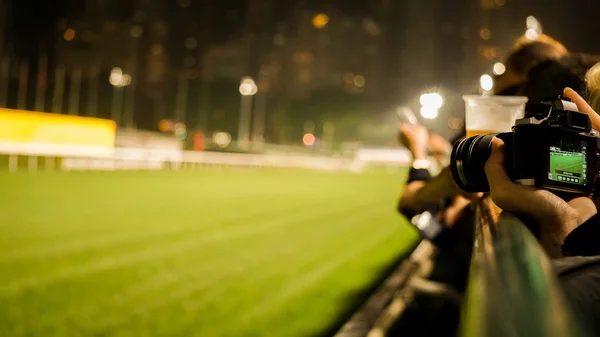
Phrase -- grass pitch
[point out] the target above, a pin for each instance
(567, 163)
(231, 252)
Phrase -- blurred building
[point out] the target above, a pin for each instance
(4, 22)
(383, 51)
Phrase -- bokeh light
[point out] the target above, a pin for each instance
(485, 34)
(222, 139)
(69, 34)
(429, 112)
(532, 34)
(309, 139)
(434, 100)
(499, 68)
(164, 125)
(359, 81)
(486, 82)
(136, 31)
(455, 123)
(248, 87)
(320, 20)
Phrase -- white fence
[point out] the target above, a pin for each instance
(48, 157)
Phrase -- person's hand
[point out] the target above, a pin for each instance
(583, 107)
(439, 145)
(416, 139)
(556, 217)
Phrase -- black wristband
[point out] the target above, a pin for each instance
(418, 175)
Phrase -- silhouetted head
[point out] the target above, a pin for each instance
(524, 56)
(549, 78)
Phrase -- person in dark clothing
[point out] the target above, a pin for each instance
(547, 77)
(568, 229)
(579, 278)
(570, 222)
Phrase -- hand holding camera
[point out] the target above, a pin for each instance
(554, 150)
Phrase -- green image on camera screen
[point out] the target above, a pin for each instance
(568, 167)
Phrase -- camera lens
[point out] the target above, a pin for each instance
(468, 160)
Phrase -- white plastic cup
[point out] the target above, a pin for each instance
(492, 114)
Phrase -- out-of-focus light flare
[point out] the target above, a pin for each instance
(136, 31)
(116, 75)
(485, 34)
(433, 100)
(222, 139)
(118, 79)
(455, 123)
(486, 82)
(429, 112)
(532, 34)
(248, 87)
(309, 139)
(249, 80)
(69, 34)
(499, 68)
(164, 125)
(125, 80)
(532, 23)
(320, 20)
(359, 81)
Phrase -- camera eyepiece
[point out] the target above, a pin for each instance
(468, 161)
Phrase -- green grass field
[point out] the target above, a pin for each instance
(567, 163)
(567, 166)
(227, 252)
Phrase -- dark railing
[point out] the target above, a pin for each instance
(512, 289)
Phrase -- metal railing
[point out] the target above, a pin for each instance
(512, 288)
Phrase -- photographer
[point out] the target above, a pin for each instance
(547, 77)
(530, 64)
(569, 230)
(572, 222)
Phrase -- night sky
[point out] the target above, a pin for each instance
(33, 29)
(35, 20)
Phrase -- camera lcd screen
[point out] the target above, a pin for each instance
(568, 163)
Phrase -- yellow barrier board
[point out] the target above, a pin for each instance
(19, 126)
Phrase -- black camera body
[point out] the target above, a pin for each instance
(553, 147)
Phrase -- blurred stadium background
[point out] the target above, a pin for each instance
(221, 168)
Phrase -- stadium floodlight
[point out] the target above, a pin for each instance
(118, 78)
(533, 24)
(248, 87)
(222, 139)
(532, 34)
(487, 82)
(429, 112)
(499, 68)
(433, 100)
